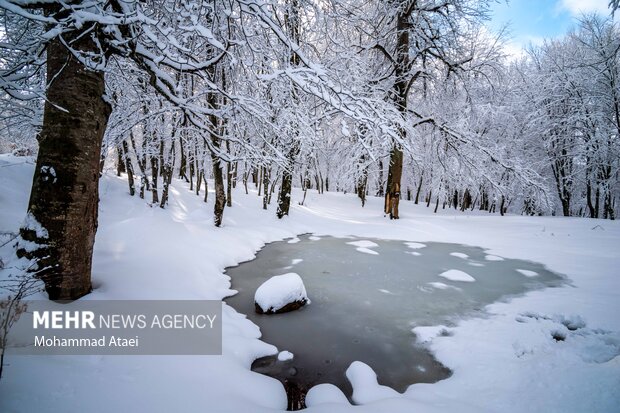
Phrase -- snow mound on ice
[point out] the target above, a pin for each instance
(285, 355)
(367, 251)
(280, 290)
(366, 389)
(293, 240)
(457, 275)
(528, 273)
(363, 244)
(415, 245)
(442, 286)
(459, 255)
(325, 393)
(493, 258)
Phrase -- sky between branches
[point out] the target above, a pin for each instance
(531, 21)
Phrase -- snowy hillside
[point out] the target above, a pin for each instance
(507, 361)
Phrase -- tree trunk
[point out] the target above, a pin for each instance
(266, 176)
(284, 196)
(120, 161)
(129, 168)
(417, 193)
(65, 188)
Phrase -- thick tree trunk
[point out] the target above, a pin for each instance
(400, 89)
(65, 187)
(392, 194)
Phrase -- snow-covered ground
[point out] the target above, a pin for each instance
(505, 362)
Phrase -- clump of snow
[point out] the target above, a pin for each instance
(414, 253)
(296, 261)
(325, 393)
(528, 273)
(293, 240)
(363, 244)
(366, 389)
(47, 173)
(443, 286)
(459, 255)
(476, 264)
(314, 238)
(493, 258)
(415, 245)
(280, 290)
(457, 275)
(285, 355)
(367, 251)
(31, 223)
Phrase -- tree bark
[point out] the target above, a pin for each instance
(65, 188)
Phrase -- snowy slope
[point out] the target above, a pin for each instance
(506, 362)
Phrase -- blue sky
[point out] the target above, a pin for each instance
(533, 20)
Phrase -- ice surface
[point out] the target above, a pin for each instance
(362, 306)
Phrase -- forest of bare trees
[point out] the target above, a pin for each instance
(411, 100)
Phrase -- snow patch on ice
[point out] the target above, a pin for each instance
(363, 244)
(314, 238)
(279, 291)
(296, 261)
(528, 273)
(367, 251)
(442, 286)
(493, 258)
(285, 355)
(457, 275)
(415, 245)
(415, 253)
(459, 255)
(294, 240)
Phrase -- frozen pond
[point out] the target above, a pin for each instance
(367, 295)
